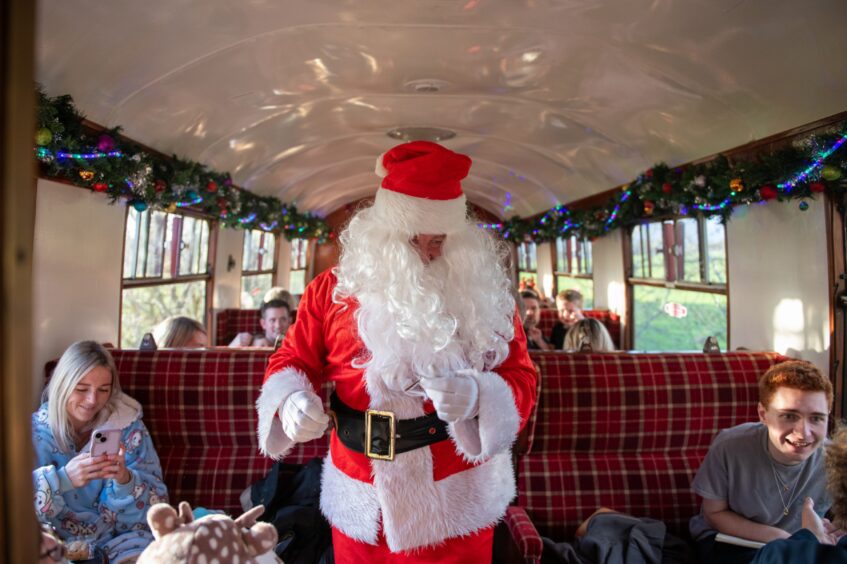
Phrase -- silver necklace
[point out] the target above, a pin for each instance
(783, 485)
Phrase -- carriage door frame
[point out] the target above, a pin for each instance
(19, 538)
(836, 237)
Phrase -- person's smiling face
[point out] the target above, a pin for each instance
(796, 422)
(89, 396)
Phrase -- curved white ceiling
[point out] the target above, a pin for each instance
(554, 100)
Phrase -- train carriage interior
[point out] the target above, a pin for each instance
(674, 172)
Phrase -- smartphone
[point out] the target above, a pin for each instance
(105, 441)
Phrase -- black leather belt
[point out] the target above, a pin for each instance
(379, 435)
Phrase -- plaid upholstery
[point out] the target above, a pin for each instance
(629, 431)
(199, 406)
(524, 533)
(231, 322)
(612, 321)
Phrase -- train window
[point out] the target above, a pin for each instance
(258, 267)
(166, 271)
(527, 264)
(299, 257)
(677, 276)
(574, 268)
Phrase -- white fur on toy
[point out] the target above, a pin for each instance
(180, 539)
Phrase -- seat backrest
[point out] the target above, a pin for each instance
(199, 406)
(611, 320)
(231, 322)
(628, 431)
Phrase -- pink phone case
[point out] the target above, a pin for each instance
(105, 441)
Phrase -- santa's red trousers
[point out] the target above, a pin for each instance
(474, 548)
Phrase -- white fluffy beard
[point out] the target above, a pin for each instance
(417, 319)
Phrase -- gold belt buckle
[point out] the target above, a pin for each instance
(369, 415)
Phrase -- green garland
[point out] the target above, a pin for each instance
(708, 189)
(123, 170)
(106, 163)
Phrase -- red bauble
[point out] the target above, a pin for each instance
(667, 188)
(160, 186)
(212, 186)
(649, 207)
(768, 192)
(817, 187)
(649, 173)
(100, 186)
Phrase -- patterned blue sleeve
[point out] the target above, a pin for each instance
(50, 484)
(127, 504)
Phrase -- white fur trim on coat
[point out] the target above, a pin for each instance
(416, 510)
(410, 215)
(498, 423)
(127, 411)
(273, 441)
(349, 504)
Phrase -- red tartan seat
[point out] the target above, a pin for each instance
(199, 406)
(628, 431)
(231, 322)
(611, 320)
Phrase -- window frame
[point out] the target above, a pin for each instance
(261, 272)
(685, 285)
(307, 252)
(208, 277)
(519, 267)
(554, 249)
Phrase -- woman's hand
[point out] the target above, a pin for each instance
(116, 468)
(83, 468)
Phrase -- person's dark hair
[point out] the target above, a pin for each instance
(529, 294)
(273, 304)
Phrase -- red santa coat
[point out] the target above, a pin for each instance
(422, 497)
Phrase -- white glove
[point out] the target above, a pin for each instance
(303, 418)
(455, 397)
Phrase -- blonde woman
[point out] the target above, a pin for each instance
(179, 332)
(586, 333)
(99, 499)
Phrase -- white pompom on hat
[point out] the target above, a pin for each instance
(421, 191)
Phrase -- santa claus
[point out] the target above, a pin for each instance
(417, 329)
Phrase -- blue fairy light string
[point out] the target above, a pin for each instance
(43, 153)
(789, 185)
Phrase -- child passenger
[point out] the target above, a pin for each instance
(756, 476)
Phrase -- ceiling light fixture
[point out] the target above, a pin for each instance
(426, 85)
(414, 133)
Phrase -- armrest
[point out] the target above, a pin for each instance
(520, 541)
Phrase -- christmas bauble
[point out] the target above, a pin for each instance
(43, 137)
(830, 172)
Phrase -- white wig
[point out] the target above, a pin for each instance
(456, 312)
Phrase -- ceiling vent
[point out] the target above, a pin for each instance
(426, 86)
(421, 134)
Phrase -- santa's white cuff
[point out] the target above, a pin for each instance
(498, 423)
(273, 441)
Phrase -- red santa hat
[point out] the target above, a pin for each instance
(421, 189)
